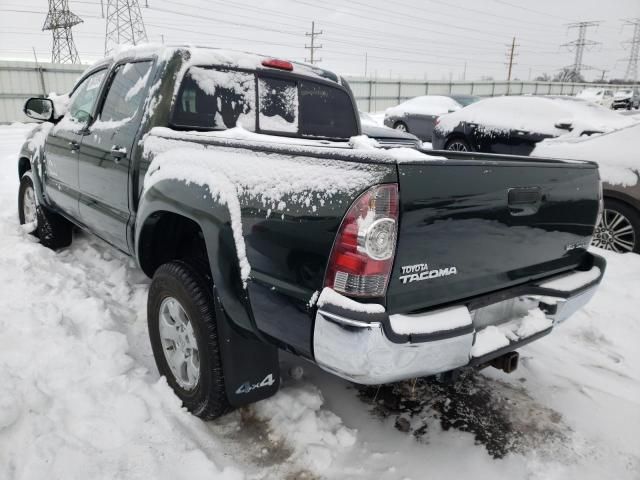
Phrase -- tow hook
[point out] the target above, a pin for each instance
(507, 362)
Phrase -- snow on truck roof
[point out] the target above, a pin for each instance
(204, 55)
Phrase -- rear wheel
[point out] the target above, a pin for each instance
(401, 126)
(619, 228)
(184, 338)
(458, 145)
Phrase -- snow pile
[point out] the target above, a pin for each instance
(495, 337)
(616, 153)
(60, 104)
(446, 319)
(317, 435)
(573, 281)
(424, 105)
(535, 114)
(363, 142)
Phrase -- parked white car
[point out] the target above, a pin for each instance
(601, 96)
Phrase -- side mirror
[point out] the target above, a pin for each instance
(564, 126)
(39, 109)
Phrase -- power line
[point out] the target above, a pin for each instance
(125, 25)
(632, 66)
(579, 44)
(60, 20)
(313, 47)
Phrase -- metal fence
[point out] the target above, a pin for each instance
(375, 94)
(21, 80)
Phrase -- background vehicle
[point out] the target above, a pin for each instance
(515, 124)
(418, 115)
(626, 99)
(619, 163)
(599, 96)
(232, 181)
(385, 136)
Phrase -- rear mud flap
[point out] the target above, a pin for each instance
(251, 367)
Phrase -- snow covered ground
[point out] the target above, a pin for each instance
(80, 397)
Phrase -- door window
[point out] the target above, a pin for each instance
(84, 97)
(126, 93)
(326, 111)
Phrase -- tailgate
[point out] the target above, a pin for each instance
(469, 227)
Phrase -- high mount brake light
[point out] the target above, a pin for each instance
(362, 255)
(280, 64)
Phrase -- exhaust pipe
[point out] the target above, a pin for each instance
(507, 362)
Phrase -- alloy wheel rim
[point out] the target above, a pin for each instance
(457, 147)
(179, 343)
(614, 232)
(29, 205)
(401, 127)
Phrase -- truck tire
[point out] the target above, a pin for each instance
(619, 228)
(53, 230)
(184, 338)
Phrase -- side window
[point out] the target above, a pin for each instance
(126, 92)
(84, 97)
(216, 99)
(326, 111)
(278, 105)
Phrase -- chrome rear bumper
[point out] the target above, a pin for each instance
(365, 348)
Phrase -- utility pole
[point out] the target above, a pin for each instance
(365, 63)
(313, 47)
(632, 67)
(60, 20)
(511, 55)
(124, 24)
(579, 45)
(604, 72)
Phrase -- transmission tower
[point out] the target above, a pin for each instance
(313, 47)
(60, 20)
(632, 66)
(579, 44)
(124, 24)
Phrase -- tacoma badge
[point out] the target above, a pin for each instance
(420, 271)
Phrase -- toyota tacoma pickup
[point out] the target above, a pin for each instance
(243, 188)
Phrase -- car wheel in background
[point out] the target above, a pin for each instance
(619, 228)
(401, 126)
(458, 145)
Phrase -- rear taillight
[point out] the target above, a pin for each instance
(362, 255)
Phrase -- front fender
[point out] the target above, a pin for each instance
(33, 150)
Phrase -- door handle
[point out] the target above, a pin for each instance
(118, 153)
(75, 146)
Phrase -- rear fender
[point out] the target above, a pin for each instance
(247, 359)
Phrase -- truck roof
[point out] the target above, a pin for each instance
(205, 55)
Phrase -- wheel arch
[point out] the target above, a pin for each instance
(24, 165)
(622, 197)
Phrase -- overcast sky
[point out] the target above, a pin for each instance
(412, 38)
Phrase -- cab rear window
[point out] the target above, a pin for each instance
(219, 99)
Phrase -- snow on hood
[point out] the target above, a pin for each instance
(424, 105)
(616, 153)
(535, 114)
(623, 94)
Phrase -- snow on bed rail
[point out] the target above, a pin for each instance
(234, 176)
